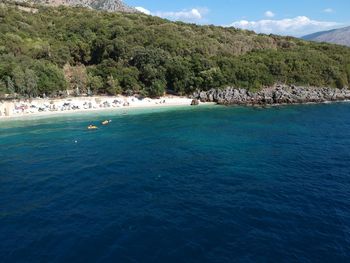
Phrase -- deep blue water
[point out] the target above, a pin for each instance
(207, 184)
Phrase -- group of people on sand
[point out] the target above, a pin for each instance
(94, 127)
(22, 107)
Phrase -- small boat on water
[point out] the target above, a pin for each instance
(92, 127)
(106, 122)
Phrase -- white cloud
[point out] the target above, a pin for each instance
(186, 15)
(269, 14)
(328, 10)
(297, 26)
(143, 10)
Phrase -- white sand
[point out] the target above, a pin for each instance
(38, 107)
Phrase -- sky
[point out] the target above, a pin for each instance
(284, 17)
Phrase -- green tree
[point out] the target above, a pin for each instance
(50, 78)
(129, 79)
(79, 80)
(179, 76)
(348, 73)
(212, 78)
(95, 83)
(31, 83)
(10, 85)
(153, 77)
(156, 89)
(19, 80)
(3, 88)
(113, 86)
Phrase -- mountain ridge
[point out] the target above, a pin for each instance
(340, 36)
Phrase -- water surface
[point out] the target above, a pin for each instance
(207, 184)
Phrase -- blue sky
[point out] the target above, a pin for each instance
(285, 17)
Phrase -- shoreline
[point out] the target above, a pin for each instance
(23, 109)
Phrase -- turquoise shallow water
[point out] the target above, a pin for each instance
(207, 184)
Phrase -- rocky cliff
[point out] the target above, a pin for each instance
(279, 94)
(106, 5)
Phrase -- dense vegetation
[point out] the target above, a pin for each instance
(92, 52)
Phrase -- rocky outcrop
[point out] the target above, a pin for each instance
(279, 94)
(195, 102)
(105, 5)
(112, 6)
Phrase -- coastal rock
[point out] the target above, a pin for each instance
(195, 102)
(278, 94)
(203, 96)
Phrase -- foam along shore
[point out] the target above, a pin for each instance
(30, 107)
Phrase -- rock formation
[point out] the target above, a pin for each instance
(279, 94)
(106, 5)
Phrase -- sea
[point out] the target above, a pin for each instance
(181, 184)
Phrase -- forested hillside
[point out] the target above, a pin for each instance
(45, 50)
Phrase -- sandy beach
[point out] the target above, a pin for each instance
(38, 107)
